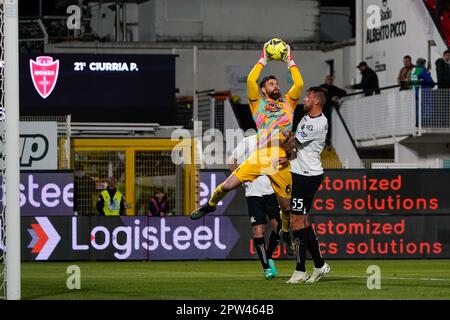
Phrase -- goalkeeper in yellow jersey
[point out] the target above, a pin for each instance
(273, 114)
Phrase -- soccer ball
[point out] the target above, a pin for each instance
(276, 50)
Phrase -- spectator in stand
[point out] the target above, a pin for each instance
(333, 95)
(405, 73)
(443, 70)
(369, 83)
(421, 78)
(158, 204)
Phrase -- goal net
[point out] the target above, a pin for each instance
(9, 148)
(2, 161)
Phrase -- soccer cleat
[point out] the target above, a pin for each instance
(274, 269)
(298, 277)
(319, 273)
(202, 211)
(268, 274)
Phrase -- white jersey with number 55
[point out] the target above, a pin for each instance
(311, 134)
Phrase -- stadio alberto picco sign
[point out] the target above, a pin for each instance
(389, 28)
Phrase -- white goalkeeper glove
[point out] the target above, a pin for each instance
(288, 57)
(263, 60)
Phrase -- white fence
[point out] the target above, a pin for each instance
(434, 109)
(397, 113)
(386, 115)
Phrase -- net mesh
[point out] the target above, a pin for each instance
(2, 140)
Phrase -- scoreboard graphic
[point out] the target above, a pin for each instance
(98, 88)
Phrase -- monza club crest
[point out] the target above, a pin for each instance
(44, 72)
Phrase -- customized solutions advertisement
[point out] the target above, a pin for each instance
(359, 192)
(98, 88)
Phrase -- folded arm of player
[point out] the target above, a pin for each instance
(312, 132)
(293, 96)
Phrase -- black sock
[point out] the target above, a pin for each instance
(314, 247)
(301, 246)
(259, 244)
(286, 238)
(274, 240)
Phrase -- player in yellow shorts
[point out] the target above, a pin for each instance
(273, 115)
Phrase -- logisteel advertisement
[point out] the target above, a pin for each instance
(221, 238)
(45, 193)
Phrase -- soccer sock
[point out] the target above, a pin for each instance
(278, 226)
(260, 244)
(314, 247)
(274, 240)
(300, 237)
(285, 220)
(286, 238)
(217, 196)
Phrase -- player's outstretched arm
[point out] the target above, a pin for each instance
(253, 93)
(296, 90)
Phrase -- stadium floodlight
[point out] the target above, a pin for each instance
(11, 172)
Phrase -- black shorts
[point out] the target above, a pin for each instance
(304, 189)
(261, 207)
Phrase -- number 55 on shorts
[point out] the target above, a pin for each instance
(297, 205)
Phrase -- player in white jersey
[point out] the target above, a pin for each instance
(307, 175)
(261, 202)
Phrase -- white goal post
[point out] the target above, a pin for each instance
(11, 172)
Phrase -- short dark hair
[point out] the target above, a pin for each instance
(446, 51)
(361, 64)
(407, 57)
(265, 79)
(421, 62)
(320, 93)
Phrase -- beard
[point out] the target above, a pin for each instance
(275, 95)
(306, 108)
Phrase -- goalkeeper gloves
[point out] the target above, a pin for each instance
(263, 60)
(288, 57)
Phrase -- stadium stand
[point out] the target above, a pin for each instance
(443, 21)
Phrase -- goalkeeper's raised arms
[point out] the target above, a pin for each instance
(296, 90)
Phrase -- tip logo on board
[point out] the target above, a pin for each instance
(44, 238)
(44, 73)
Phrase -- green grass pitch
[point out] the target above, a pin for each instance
(227, 280)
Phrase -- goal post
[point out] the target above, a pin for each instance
(11, 178)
